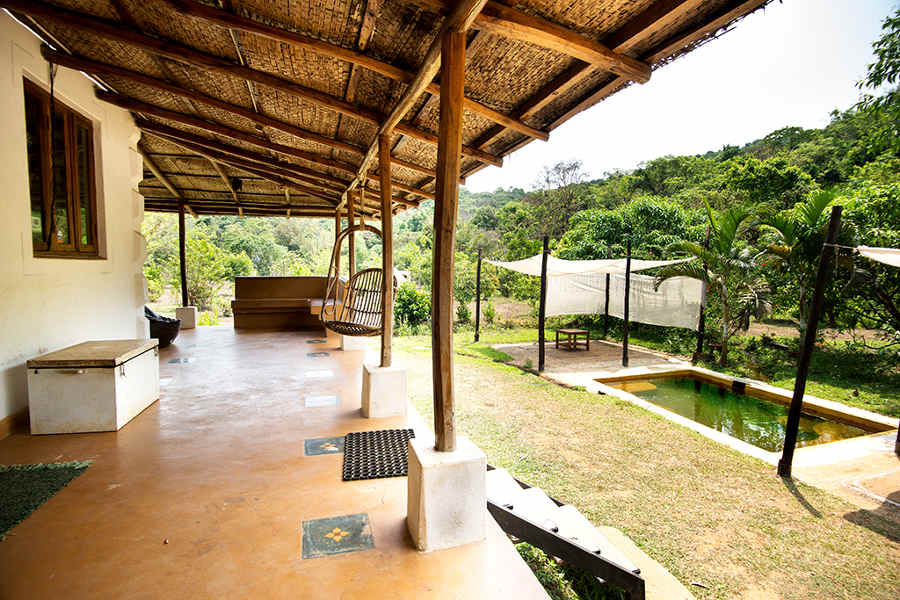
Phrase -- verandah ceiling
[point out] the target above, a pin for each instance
(260, 106)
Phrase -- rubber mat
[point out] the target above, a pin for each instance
(376, 454)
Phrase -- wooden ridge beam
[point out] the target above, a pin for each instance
(186, 54)
(230, 20)
(509, 22)
(460, 19)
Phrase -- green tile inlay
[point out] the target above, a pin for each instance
(337, 535)
(328, 445)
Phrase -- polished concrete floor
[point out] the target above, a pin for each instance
(203, 494)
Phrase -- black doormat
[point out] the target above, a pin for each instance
(376, 454)
(23, 488)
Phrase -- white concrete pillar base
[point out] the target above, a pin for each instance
(447, 501)
(383, 391)
(188, 316)
(349, 342)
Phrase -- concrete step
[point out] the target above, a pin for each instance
(575, 526)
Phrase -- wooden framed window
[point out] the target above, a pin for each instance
(61, 179)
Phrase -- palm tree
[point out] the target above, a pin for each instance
(726, 268)
(798, 237)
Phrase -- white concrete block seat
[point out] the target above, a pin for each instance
(560, 530)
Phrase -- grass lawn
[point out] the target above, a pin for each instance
(707, 513)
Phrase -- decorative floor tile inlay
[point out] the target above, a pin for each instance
(329, 445)
(315, 401)
(316, 354)
(315, 341)
(173, 361)
(337, 535)
(320, 374)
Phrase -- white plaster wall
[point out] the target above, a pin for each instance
(47, 304)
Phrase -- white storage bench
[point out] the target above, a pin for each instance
(92, 386)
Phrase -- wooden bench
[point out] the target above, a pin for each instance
(278, 302)
(572, 341)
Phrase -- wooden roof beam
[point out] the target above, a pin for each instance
(264, 172)
(277, 166)
(100, 68)
(460, 19)
(509, 22)
(228, 184)
(186, 54)
(660, 14)
(230, 20)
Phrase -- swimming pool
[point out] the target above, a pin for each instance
(753, 420)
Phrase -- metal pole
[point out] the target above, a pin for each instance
(542, 312)
(809, 340)
(701, 325)
(182, 254)
(478, 296)
(627, 293)
(606, 305)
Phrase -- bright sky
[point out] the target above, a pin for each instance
(791, 64)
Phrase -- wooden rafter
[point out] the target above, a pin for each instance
(227, 183)
(458, 20)
(657, 16)
(100, 68)
(509, 22)
(186, 54)
(163, 179)
(227, 19)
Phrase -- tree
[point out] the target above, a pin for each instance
(726, 268)
(558, 195)
(885, 71)
(206, 269)
(795, 243)
(771, 184)
(411, 307)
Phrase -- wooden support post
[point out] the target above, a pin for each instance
(627, 294)
(701, 324)
(542, 309)
(453, 61)
(351, 242)
(478, 296)
(809, 341)
(337, 233)
(387, 252)
(182, 254)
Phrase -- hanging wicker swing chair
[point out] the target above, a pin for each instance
(357, 309)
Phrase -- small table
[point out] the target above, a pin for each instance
(572, 341)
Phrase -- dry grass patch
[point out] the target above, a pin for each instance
(707, 513)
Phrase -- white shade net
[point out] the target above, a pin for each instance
(888, 256)
(578, 287)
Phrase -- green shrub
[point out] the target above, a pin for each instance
(463, 314)
(411, 307)
(208, 318)
(490, 313)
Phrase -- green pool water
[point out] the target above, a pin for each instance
(752, 420)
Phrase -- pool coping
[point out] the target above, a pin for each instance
(878, 425)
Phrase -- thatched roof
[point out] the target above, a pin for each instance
(259, 106)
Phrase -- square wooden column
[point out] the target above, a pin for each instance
(453, 62)
(387, 244)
